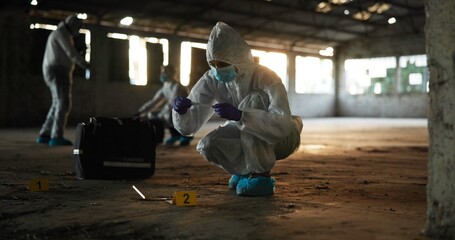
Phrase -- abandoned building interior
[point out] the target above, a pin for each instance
(372, 81)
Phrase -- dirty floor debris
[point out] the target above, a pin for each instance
(351, 179)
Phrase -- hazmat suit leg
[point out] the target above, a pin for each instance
(223, 148)
(59, 82)
(238, 152)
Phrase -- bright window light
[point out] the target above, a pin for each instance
(34, 3)
(165, 44)
(185, 60)
(417, 60)
(392, 20)
(362, 75)
(277, 62)
(323, 7)
(415, 79)
(43, 26)
(414, 74)
(137, 61)
(379, 7)
(362, 15)
(126, 21)
(82, 16)
(185, 63)
(384, 76)
(138, 55)
(88, 43)
(152, 40)
(199, 45)
(313, 75)
(118, 36)
(339, 2)
(377, 88)
(328, 52)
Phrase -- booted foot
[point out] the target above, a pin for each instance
(234, 180)
(59, 142)
(256, 186)
(185, 141)
(171, 140)
(43, 139)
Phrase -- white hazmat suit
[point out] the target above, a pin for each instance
(266, 131)
(162, 101)
(58, 66)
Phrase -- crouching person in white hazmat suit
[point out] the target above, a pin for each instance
(259, 129)
(58, 66)
(163, 101)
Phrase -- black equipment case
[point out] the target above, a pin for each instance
(113, 148)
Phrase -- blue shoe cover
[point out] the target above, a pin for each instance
(257, 186)
(43, 139)
(185, 141)
(171, 140)
(59, 142)
(234, 180)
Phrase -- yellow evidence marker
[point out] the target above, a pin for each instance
(184, 199)
(38, 184)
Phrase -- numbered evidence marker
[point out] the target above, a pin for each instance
(38, 184)
(184, 199)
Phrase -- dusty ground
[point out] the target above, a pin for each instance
(351, 179)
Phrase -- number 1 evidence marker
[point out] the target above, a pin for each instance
(139, 192)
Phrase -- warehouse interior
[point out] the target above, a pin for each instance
(373, 82)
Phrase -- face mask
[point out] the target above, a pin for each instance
(164, 78)
(224, 74)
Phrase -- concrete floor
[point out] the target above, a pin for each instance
(351, 179)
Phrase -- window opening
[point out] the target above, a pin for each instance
(414, 74)
(137, 55)
(314, 75)
(373, 75)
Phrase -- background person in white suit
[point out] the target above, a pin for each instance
(59, 61)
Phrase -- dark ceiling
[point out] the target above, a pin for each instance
(300, 25)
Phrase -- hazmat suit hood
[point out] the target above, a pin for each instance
(73, 24)
(226, 45)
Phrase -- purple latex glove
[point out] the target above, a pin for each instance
(181, 104)
(226, 110)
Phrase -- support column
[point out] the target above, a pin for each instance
(174, 52)
(440, 45)
(291, 73)
(338, 73)
(99, 66)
